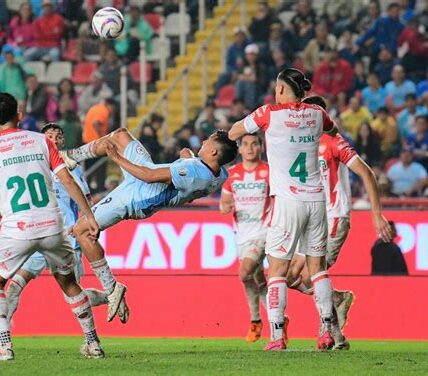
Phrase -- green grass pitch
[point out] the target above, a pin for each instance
(142, 356)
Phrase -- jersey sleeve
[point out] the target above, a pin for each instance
(257, 120)
(227, 186)
(343, 151)
(184, 173)
(328, 123)
(56, 162)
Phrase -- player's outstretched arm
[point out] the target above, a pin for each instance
(79, 197)
(226, 203)
(237, 131)
(367, 175)
(149, 175)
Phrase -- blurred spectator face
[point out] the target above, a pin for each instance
(147, 131)
(185, 133)
(134, 13)
(96, 80)
(421, 125)
(354, 104)
(111, 57)
(250, 148)
(364, 131)
(303, 7)
(32, 83)
(331, 56)
(398, 73)
(406, 157)
(25, 12)
(47, 8)
(394, 12)
(382, 114)
(239, 37)
(209, 111)
(410, 102)
(321, 31)
(9, 58)
(262, 10)
(238, 107)
(275, 31)
(385, 55)
(64, 106)
(251, 57)
(373, 9)
(373, 80)
(65, 86)
(359, 68)
(278, 57)
(347, 38)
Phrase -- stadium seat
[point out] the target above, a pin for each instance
(82, 72)
(156, 46)
(285, 17)
(172, 24)
(70, 53)
(134, 70)
(58, 70)
(38, 68)
(154, 20)
(225, 96)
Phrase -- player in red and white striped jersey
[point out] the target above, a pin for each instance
(336, 157)
(246, 194)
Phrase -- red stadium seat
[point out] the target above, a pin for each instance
(154, 20)
(225, 96)
(134, 70)
(82, 72)
(70, 53)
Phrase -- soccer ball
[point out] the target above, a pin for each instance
(108, 23)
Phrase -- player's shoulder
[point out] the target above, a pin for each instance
(263, 166)
(236, 171)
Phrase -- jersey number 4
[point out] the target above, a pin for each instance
(298, 169)
(39, 197)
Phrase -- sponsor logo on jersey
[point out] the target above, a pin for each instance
(21, 225)
(140, 150)
(252, 185)
(292, 124)
(27, 143)
(304, 115)
(296, 190)
(183, 171)
(4, 149)
(311, 123)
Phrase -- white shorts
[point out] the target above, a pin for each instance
(297, 226)
(253, 249)
(56, 249)
(338, 229)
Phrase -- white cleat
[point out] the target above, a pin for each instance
(6, 352)
(340, 342)
(70, 162)
(114, 300)
(342, 303)
(344, 345)
(123, 311)
(92, 350)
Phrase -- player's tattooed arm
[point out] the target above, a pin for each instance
(359, 167)
(147, 174)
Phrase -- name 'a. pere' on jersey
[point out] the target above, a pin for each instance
(292, 134)
(28, 205)
(335, 154)
(250, 192)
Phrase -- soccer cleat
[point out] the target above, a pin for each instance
(325, 342)
(344, 345)
(123, 311)
(92, 350)
(342, 303)
(277, 345)
(114, 300)
(70, 162)
(340, 342)
(6, 352)
(255, 331)
(285, 330)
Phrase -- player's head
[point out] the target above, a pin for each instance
(9, 115)
(316, 99)
(251, 147)
(218, 147)
(291, 86)
(55, 133)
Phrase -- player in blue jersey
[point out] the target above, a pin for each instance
(146, 189)
(34, 266)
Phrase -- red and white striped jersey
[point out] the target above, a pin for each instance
(292, 133)
(28, 205)
(335, 154)
(250, 190)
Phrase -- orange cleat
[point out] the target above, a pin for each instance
(255, 331)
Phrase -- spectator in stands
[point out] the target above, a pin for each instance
(74, 15)
(277, 41)
(422, 87)
(48, 30)
(21, 28)
(406, 11)
(4, 13)
(333, 76)
(303, 23)
(359, 81)
(398, 88)
(260, 24)
(234, 57)
(417, 141)
(207, 123)
(70, 123)
(415, 44)
(385, 31)
(373, 95)
(253, 78)
(88, 47)
(368, 145)
(136, 29)
(171, 151)
(387, 258)
(237, 111)
(383, 68)
(368, 16)
(279, 64)
(66, 90)
(314, 52)
(386, 127)
(94, 93)
(12, 76)
(341, 13)
(36, 98)
(37, 6)
(406, 118)
(354, 116)
(346, 47)
(148, 137)
(408, 178)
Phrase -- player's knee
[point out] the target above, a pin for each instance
(245, 274)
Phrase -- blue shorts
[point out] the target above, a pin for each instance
(119, 204)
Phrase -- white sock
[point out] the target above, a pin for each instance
(4, 324)
(82, 153)
(82, 310)
(252, 294)
(300, 286)
(276, 303)
(96, 297)
(104, 274)
(323, 292)
(13, 293)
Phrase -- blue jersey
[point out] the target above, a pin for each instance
(69, 208)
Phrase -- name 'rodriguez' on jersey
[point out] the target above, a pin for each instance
(292, 133)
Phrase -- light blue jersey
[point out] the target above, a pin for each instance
(136, 199)
(69, 209)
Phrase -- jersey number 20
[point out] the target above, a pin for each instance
(298, 169)
(39, 201)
